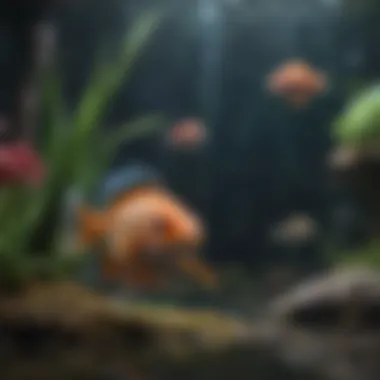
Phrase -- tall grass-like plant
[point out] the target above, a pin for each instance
(77, 151)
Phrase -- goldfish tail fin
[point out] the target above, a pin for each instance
(91, 226)
(196, 268)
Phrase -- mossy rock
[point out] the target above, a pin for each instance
(64, 328)
(64, 331)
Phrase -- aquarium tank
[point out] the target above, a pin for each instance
(189, 188)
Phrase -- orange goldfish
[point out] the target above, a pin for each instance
(297, 81)
(187, 133)
(145, 232)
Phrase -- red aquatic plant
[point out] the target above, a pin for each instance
(20, 164)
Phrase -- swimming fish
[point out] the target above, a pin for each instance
(297, 228)
(187, 133)
(146, 233)
(296, 81)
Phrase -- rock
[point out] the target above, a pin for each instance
(344, 158)
(331, 324)
(359, 169)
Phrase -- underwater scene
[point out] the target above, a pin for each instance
(189, 190)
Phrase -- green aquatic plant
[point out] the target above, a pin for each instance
(359, 123)
(77, 151)
(368, 255)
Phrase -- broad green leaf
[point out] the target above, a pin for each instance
(359, 122)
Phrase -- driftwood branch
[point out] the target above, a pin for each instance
(327, 328)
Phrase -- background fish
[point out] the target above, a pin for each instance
(296, 229)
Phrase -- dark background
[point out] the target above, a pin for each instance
(263, 160)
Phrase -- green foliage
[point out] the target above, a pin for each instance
(368, 255)
(359, 122)
(77, 151)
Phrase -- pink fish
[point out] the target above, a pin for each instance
(187, 133)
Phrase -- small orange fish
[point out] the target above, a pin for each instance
(146, 231)
(188, 133)
(297, 81)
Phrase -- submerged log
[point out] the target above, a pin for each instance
(64, 331)
(324, 329)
